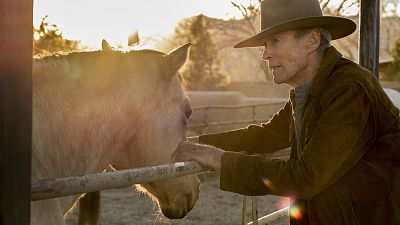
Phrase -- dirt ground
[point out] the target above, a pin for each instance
(214, 207)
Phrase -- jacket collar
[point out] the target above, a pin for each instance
(332, 56)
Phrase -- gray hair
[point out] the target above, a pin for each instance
(325, 37)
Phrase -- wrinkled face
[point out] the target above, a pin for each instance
(286, 56)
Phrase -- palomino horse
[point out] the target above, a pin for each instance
(94, 109)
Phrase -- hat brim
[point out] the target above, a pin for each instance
(338, 27)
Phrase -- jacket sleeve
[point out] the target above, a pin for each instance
(342, 135)
(264, 138)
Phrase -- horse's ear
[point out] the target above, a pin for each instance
(105, 46)
(176, 59)
(133, 39)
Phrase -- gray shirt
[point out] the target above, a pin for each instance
(301, 94)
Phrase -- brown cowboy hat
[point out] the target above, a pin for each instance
(283, 15)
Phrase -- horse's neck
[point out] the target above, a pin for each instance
(72, 136)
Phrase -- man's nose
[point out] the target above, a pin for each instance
(266, 54)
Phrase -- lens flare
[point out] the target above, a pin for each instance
(282, 203)
(295, 213)
(267, 182)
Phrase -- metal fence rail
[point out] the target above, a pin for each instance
(277, 102)
(205, 123)
(196, 125)
(273, 218)
(59, 187)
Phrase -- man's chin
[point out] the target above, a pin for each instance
(276, 81)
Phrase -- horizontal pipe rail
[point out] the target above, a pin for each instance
(59, 187)
(205, 124)
(278, 102)
(273, 218)
(225, 123)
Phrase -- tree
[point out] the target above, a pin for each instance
(250, 15)
(202, 71)
(48, 38)
(394, 68)
(339, 8)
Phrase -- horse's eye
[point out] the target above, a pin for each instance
(188, 110)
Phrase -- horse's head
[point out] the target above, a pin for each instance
(159, 111)
(127, 109)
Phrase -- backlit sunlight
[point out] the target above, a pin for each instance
(91, 21)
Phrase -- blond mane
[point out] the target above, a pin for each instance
(58, 63)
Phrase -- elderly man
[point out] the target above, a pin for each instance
(343, 130)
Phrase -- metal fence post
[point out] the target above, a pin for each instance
(15, 110)
(368, 55)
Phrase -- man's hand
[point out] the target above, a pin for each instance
(206, 155)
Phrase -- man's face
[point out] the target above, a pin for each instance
(286, 56)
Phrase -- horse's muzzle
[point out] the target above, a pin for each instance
(172, 213)
(180, 212)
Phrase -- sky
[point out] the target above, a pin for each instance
(92, 20)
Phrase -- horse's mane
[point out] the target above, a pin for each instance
(59, 63)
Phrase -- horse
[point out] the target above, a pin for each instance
(106, 108)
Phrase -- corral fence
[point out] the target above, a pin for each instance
(60, 187)
(207, 122)
(256, 113)
(259, 113)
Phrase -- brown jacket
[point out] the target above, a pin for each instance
(349, 172)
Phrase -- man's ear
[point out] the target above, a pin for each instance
(314, 40)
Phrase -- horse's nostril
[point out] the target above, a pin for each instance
(173, 213)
